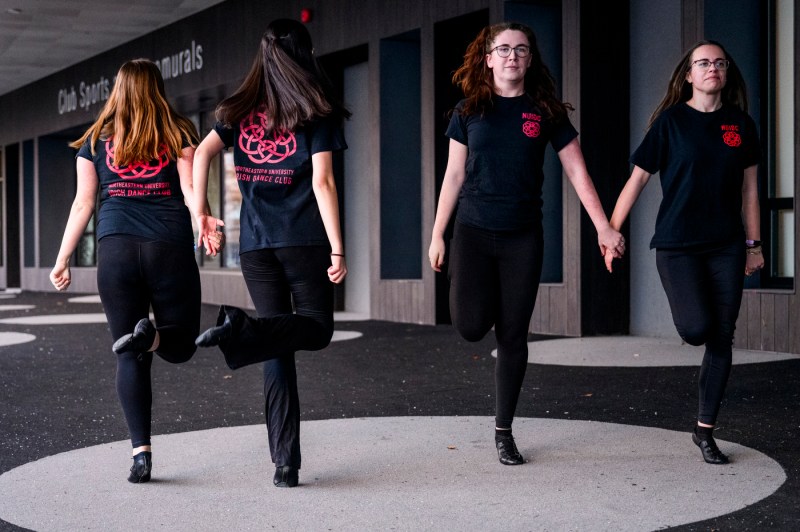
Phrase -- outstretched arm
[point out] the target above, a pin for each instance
(328, 203)
(194, 179)
(79, 215)
(608, 238)
(630, 193)
(454, 177)
(752, 219)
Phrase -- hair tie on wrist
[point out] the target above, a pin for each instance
(752, 243)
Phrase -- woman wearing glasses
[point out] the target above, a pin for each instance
(498, 135)
(705, 147)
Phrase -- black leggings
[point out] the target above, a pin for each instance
(494, 278)
(277, 280)
(704, 289)
(134, 273)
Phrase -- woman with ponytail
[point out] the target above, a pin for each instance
(283, 125)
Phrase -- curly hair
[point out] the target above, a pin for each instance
(679, 90)
(475, 78)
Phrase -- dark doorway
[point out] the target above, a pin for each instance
(451, 38)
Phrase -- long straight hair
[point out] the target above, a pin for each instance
(139, 118)
(476, 80)
(679, 90)
(285, 80)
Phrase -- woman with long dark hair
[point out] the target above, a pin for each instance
(705, 148)
(498, 135)
(283, 125)
(138, 154)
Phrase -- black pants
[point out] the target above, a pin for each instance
(133, 274)
(704, 289)
(277, 280)
(494, 278)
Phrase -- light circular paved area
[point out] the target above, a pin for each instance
(15, 338)
(401, 473)
(99, 317)
(340, 336)
(16, 307)
(85, 299)
(632, 351)
(57, 319)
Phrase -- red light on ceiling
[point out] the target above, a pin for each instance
(305, 15)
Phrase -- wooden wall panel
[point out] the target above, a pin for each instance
(794, 318)
(767, 322)
(754, 321)
(781, 328)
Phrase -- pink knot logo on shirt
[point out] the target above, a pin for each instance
(259, 149)
(730, 136)
(531, 127)
(137, 170)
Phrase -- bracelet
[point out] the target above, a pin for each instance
(752, 243)
(337, 254)
(755, 250)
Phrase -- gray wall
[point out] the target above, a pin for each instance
(655, 49)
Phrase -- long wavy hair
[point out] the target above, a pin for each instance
(139, 117)
(285, 80)
(679, 90)
(476, 80)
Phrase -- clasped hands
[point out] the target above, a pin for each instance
(612, 246)
(208, 234)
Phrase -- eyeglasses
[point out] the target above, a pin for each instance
(505, 51)
(705, 64)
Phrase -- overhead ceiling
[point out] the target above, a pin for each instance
(41, 37)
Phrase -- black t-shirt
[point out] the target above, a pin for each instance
(274, 172)
(503, 186)
(701, 159)
(143, 199)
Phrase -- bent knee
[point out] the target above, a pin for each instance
(694, 335)
(179, 355)
(471, 332)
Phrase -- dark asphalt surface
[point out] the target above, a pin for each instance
(57, 394)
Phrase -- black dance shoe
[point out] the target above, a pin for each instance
(507, 450)
(141, 340)
(215, 335)
(142, 465)
(710, 451)
(285, 477)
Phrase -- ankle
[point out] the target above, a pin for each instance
(156, 342)
(704, 432)
(142, 449)
(502, 433)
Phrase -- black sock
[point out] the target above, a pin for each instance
(704, 433)
(501, 434)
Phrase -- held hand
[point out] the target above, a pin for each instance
(60, 276)
(436, 253)
(337, 270)
(755, 261)
(609, 259)
(208, 235)
(612, 240)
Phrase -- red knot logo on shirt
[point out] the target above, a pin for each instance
(730, 136)
(531, 127)
(259, 149)
(137, 170)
